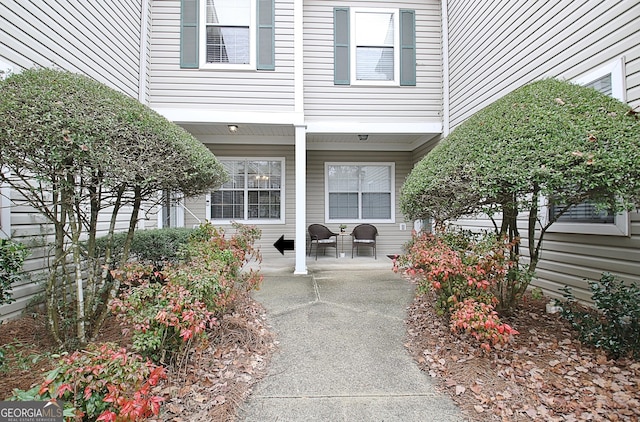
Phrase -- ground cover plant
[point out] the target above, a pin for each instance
(77, 151)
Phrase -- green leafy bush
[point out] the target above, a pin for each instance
(12, 255)
(549, 138)
(102, 383)
(614, 326)
(169, 309)
(157, 247)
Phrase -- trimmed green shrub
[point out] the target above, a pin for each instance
(78, 150)
(614, 326)
(157, 247)
(550, 139)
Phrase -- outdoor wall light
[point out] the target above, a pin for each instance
(233, 128)
(363, 137)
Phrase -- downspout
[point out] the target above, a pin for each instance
(300, 137)
(144, 45)
(446, 112)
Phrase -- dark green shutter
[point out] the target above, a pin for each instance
(266, 35)
(407, 47)
(189, 34)
(341, 69)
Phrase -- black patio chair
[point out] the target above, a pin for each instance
(364, 235)
(322, 237)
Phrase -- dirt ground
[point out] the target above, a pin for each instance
(545, 374)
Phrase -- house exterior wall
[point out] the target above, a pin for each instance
(325, 101)
(98, 39)
(499, 46)
(391, 237)
(271, 231)
(230, 91)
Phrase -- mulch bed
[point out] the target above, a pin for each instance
(544, 374)
(210, 384)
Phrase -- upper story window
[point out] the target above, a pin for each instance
(254, 192)
(357, 192)
(375, 51)
(584, 218)
(228, 29)
(374, 47)
(227, 34)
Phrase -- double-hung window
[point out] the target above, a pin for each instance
(374, 46)
(254, 192)
(227, 34)
(228, 29)
(357, 192)
(584, 218)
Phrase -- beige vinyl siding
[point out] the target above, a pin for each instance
(99, 39)
(34, 231)
(326, 101)
(246, 90)
(270, 232)
(497, 47)
(390, 237)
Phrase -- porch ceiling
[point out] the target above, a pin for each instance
(284, 135)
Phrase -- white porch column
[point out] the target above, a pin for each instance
(301, 200)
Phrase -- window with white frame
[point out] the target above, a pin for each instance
(375, 51)
(227, 34)
(254, 192)
(228, 28)
(374, 46)
(585, 218)
(360, 192)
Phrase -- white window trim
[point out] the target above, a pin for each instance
(353, 46)
(328, 220)
(281, 220)
(5, 209)
(177, 208)
(203, 42)
(621, 225)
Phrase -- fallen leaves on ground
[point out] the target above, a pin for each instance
(544, 374)
(210, 386)
(219, 375)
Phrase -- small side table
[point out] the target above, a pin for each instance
(342, 236)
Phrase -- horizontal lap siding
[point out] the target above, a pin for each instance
(391, 238)
(266, 91)
(497, 47)
(326, 101)
(270, 232)
(99, 39)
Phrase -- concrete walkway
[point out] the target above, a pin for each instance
(341, 355)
